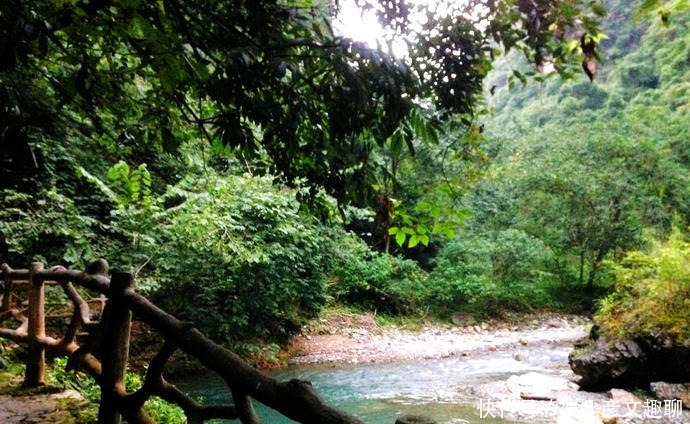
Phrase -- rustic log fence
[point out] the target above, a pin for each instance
(104, 353)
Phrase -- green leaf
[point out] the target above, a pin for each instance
(396, 142)
(97, 182)
(424, 239)
(598, 9)
(573, 45)
(414, 240)
(649, 5)
(408, 230)
(400, 238)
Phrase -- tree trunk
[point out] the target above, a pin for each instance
(582, 265)
(596, 264)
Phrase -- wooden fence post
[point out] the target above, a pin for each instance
(7, 289)
(35, 364)
(116, 321)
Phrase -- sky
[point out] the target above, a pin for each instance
(364, 27)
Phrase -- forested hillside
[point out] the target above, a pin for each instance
(587, 172)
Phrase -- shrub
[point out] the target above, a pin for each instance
(373, 280)
(231, 254)
(46, 226)
(651, 293)
(486, 277)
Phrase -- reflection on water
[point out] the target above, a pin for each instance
(379, 393)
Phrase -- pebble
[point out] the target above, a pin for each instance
(386, 344)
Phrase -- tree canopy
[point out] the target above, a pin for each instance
(270, 80)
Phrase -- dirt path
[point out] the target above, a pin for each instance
(41, 408)
(350, 338)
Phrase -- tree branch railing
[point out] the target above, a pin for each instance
(104, 354)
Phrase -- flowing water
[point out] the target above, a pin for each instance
(378, 393)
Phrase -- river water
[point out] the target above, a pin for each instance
(378, 393)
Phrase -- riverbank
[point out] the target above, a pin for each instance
(540, 388)
(340, 337)
(348, 338)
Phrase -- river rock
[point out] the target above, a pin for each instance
(669, 391)
(602, 364)
(414, 419)
(463, 320)
(519, 356)
(536, 386)
(620, 396)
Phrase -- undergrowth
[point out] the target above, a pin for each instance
(651, 293)
(155, 407)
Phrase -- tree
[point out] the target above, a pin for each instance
(427, 180)
(587, 167)
(593, 192)
(270, 79)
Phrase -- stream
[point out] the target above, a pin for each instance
(378, 393)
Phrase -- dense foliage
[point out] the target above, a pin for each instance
(231, 253)
(651, 294)
(222, 168)
(487, 276)
(375, 281)
(585, 169)
(270, 79)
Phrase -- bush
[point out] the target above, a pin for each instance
(231, 254)
(374, 281)
(651, 293)
(487, 277)
(155, 407)
(46, 227)
(518, 258)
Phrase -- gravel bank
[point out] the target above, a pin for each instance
(349, 338)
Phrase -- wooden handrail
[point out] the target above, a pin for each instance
(104, 355)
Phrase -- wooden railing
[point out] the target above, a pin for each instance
(104, 352)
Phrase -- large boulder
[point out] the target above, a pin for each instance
(602, 364)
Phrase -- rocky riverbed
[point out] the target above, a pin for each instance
(547, 396)
(541, 390)
(354, 338)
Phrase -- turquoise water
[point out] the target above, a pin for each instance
(378, 393)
